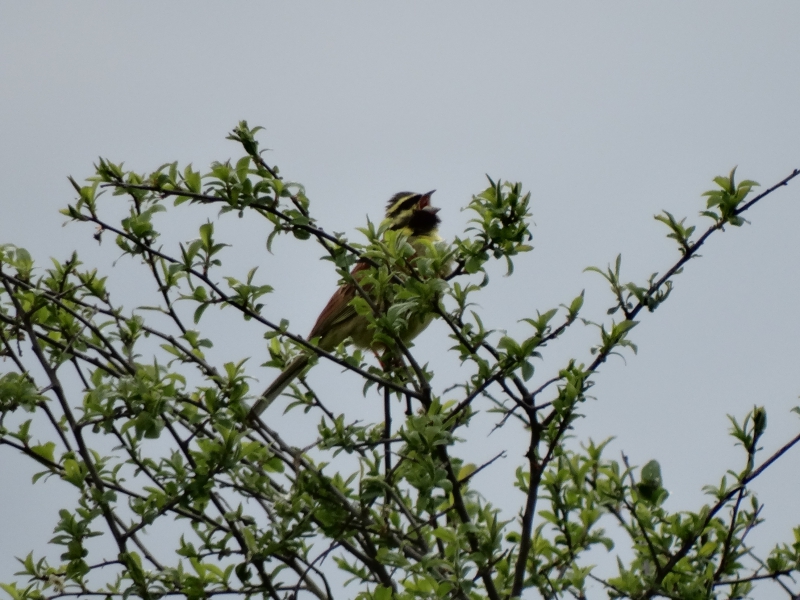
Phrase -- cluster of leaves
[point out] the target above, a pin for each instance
(156, 435)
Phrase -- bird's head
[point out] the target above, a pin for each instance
(413, 214)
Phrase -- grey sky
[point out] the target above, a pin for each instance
(608, 112)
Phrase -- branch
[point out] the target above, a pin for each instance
(256, 316)
(684, 549)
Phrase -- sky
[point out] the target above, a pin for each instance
(607, 112)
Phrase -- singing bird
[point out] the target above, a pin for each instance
(411, 215)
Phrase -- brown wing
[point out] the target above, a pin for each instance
(337, 312)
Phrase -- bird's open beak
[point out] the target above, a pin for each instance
(425, 202)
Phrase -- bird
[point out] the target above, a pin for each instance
(411, 215)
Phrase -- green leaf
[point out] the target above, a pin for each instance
(73, 472)
(576, 305)
(11, 590)
(193, 181)
(382, 592)
(206, 231)
(198, 313)
(651, 472)
(46, 451)
(465, 471)
(446, 535)
(527, 370)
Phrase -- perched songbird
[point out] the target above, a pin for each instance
(408, 213)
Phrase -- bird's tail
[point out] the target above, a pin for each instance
(281, 382)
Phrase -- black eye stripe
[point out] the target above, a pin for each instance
(406, 204)
(401, 201)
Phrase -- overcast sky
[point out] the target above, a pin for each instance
(608, 112)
